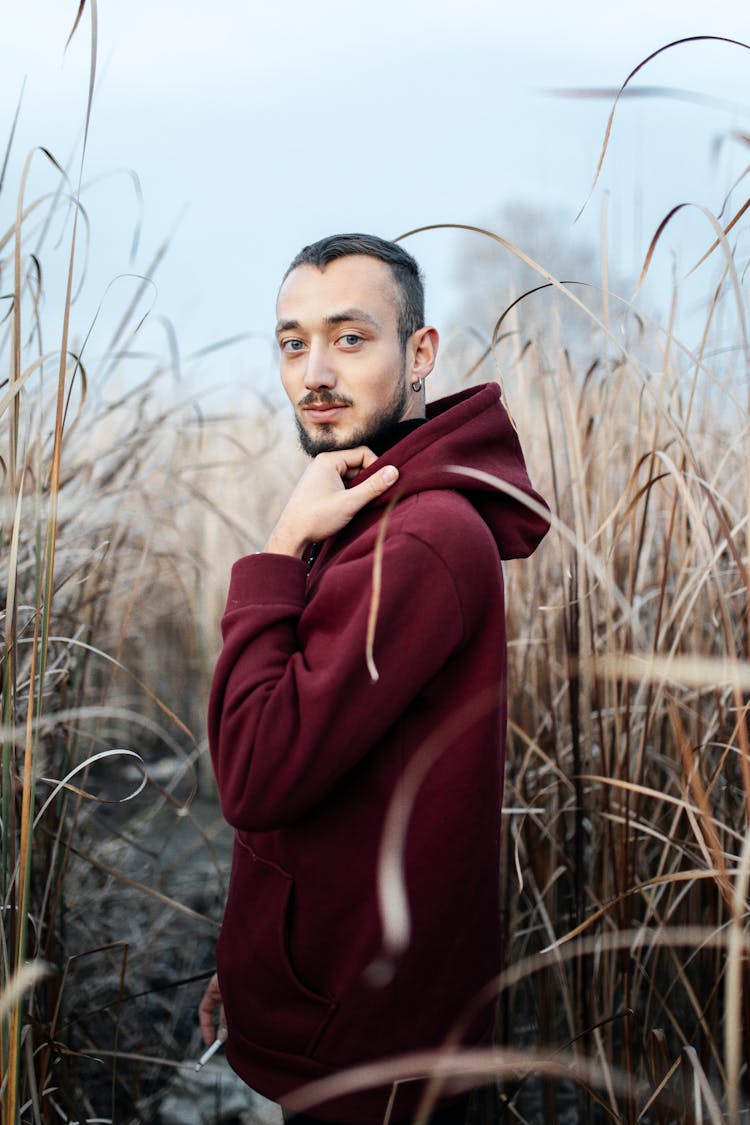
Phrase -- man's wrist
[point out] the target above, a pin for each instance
(280, 542)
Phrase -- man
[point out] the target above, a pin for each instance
(362, 684)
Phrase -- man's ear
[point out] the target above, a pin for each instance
(423, 347)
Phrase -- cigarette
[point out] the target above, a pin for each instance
(209, 1053)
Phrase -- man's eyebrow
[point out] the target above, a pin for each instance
(346, 316)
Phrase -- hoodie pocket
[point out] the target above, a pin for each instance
(264, 999)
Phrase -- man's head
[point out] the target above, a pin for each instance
(353, 341)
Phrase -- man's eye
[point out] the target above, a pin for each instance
(291, 346)
(350, 339)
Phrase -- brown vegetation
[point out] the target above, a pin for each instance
(628, 781)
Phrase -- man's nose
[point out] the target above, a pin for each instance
(318, 371)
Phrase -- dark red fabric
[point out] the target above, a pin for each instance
(310, 754)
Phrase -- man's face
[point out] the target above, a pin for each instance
(342, 364)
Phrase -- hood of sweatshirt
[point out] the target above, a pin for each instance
(469, 445)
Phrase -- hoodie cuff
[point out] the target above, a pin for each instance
(267, 579)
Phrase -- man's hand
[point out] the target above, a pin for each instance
(321, 504)
(207, 1014)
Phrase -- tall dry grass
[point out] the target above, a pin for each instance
(625, 996)
(625, 843)
(110, 885)
(628, 771)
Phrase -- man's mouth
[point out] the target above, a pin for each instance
(322, 414)
(324, 410)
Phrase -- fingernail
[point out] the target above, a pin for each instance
(390, 473)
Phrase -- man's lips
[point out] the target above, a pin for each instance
(324, 411)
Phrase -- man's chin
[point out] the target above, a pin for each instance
(327, 436)
(325, 440)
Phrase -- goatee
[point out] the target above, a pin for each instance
(326, 439)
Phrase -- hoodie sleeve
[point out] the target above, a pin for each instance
(292, 705)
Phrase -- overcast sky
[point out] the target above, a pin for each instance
(256, 128)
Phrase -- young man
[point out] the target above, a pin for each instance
(362, 684)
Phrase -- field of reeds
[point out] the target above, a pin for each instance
(626, 994)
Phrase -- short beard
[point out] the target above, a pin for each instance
(326, 441)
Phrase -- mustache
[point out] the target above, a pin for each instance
(324, 398)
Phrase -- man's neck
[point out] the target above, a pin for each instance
(392, 433)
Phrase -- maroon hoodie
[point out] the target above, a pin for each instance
(310, 752)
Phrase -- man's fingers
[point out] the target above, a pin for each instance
(208, 1032)
(207, 1013)
(378, 483)
(357, 458)
(367, 456)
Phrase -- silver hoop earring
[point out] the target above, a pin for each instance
(417, 387)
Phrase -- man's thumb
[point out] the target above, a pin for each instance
(362, 493)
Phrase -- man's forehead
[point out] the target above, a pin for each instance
(356, 281)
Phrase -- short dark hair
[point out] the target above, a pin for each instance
(406, 273)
